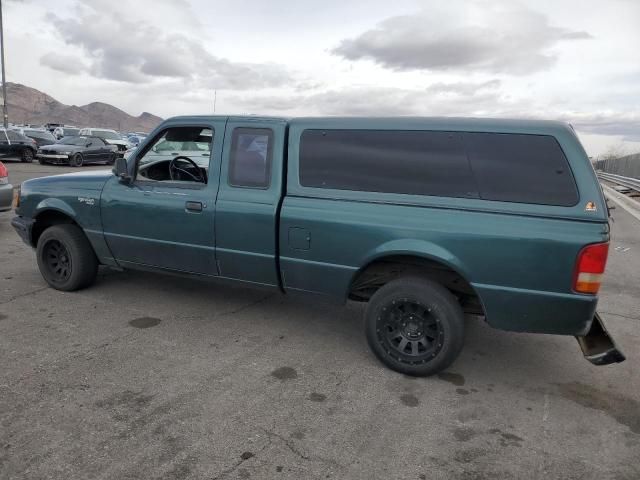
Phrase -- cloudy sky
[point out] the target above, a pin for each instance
(574, 60)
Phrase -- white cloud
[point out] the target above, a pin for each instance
(496, 38)
(137, 51)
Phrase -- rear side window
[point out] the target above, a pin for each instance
(250, 159)
(490, 166)
(15, 136)
(409, 162)
(521, 168)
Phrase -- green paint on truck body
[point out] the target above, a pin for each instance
(518, 258)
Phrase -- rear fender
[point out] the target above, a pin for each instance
(416, 248)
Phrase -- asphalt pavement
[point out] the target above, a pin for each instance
(19, 172)
(148, 376)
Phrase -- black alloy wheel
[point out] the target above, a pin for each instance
(76, 160)
(415, 326)
(57, 261)
(410, 331)
(27, 155)
(66, 259)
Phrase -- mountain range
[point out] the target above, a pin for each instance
(30, 106)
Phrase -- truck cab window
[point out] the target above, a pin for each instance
(178, 154)
(250, 159)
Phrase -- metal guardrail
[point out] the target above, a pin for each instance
(632, 183)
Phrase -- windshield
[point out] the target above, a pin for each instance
(71, 132)
(39, 134)
(74, 141)
(106, 134)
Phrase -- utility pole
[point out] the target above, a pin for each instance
(215, 97)
(5, 115)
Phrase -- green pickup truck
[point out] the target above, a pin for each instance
(425, 219)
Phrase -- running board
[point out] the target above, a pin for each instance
(597, 346)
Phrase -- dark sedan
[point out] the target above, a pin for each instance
(39, 135)
(15, 146)
(77, 151)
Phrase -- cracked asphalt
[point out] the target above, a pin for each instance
(157, 377)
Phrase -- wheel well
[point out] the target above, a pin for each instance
(45, 220)
(373, 276)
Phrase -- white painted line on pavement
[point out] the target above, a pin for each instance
(623, 201)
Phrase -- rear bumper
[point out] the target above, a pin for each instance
(597, 346)
(6, 197)
(23, 227)
(533, 311)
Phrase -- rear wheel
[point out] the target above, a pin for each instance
(65, 258)
(27, 155)
(76, 160)
(415, 326)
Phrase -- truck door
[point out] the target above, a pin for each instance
(165, 217)
(248, 200)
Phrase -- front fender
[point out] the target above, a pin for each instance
(55, 204)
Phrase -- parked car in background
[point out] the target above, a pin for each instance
(15, 146)
(6, 189)
(77, 151)
(136, 139)
(61, 132)
(168, 149)
(40, 135)
(110, 136)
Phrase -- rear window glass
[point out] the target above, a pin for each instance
(410, 162)
(15, 136)
(250, 163)
(521, 168)
(502, 167)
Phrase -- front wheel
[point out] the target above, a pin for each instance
(65, 258)
(415, 326)
(76, 160)
(112, 159)
(27, 155)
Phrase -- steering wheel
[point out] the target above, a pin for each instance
(174, 168)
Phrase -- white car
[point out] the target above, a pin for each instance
(109, 136)
(61, 132)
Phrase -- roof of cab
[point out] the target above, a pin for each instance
(504, 125)
(497, 125)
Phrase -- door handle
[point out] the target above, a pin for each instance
(193, 206)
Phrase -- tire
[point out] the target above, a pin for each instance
(41, 161)
(112, 159)
(27, 155)
(76, 160)
(414, 326)
(66, 259)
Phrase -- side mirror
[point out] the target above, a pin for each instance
(88, 144)
(121, 170)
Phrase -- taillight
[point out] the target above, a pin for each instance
(590, 265)
(4, 174)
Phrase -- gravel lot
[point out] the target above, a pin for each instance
(146, 376)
